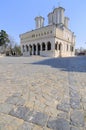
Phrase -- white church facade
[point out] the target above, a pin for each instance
(53, 40)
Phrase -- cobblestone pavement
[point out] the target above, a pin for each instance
(39, 93)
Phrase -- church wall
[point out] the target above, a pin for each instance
(66, 49)
(50, 53)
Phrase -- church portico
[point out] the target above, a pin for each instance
(36, 48)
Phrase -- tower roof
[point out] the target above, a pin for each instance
(59, 8)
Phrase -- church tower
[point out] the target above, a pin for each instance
(57, 16)
(39, 22)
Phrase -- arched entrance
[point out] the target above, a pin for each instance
(34, 49)
(43, 46)
(48, 46)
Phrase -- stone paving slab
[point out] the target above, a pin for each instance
(42, 93)
(5, 108)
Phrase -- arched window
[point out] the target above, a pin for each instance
(43, 46)
(48, 46)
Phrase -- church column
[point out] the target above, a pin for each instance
(32, 50)
(40, 47)
(28, 49)
(22, 48)
(36, 49)
(25, 48)
(45, 46)
(62, 47)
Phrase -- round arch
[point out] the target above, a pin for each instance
(38, 48)
(43, 46)
(48, 45)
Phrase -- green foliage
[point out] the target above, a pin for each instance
(17, 50)
(4, 38)
(9, 44)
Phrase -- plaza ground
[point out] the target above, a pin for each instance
(42, 93)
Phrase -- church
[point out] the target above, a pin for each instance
(53, 40)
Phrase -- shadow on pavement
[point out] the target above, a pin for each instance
(76, 64)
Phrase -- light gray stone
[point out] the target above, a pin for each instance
(5, 108)
(84, 106)
(25, 126)
(15, 100)
(17, 95)
(73, 128)
(83, 99)
(2, 126)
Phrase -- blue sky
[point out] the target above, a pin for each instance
(17, 16)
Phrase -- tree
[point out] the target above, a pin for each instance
(17, 50)
(4, 38)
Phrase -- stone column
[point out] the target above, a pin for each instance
(40, 47)
(32, 49)
(46, 47)
(25, 48)
(22, 48)
(36, 49)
